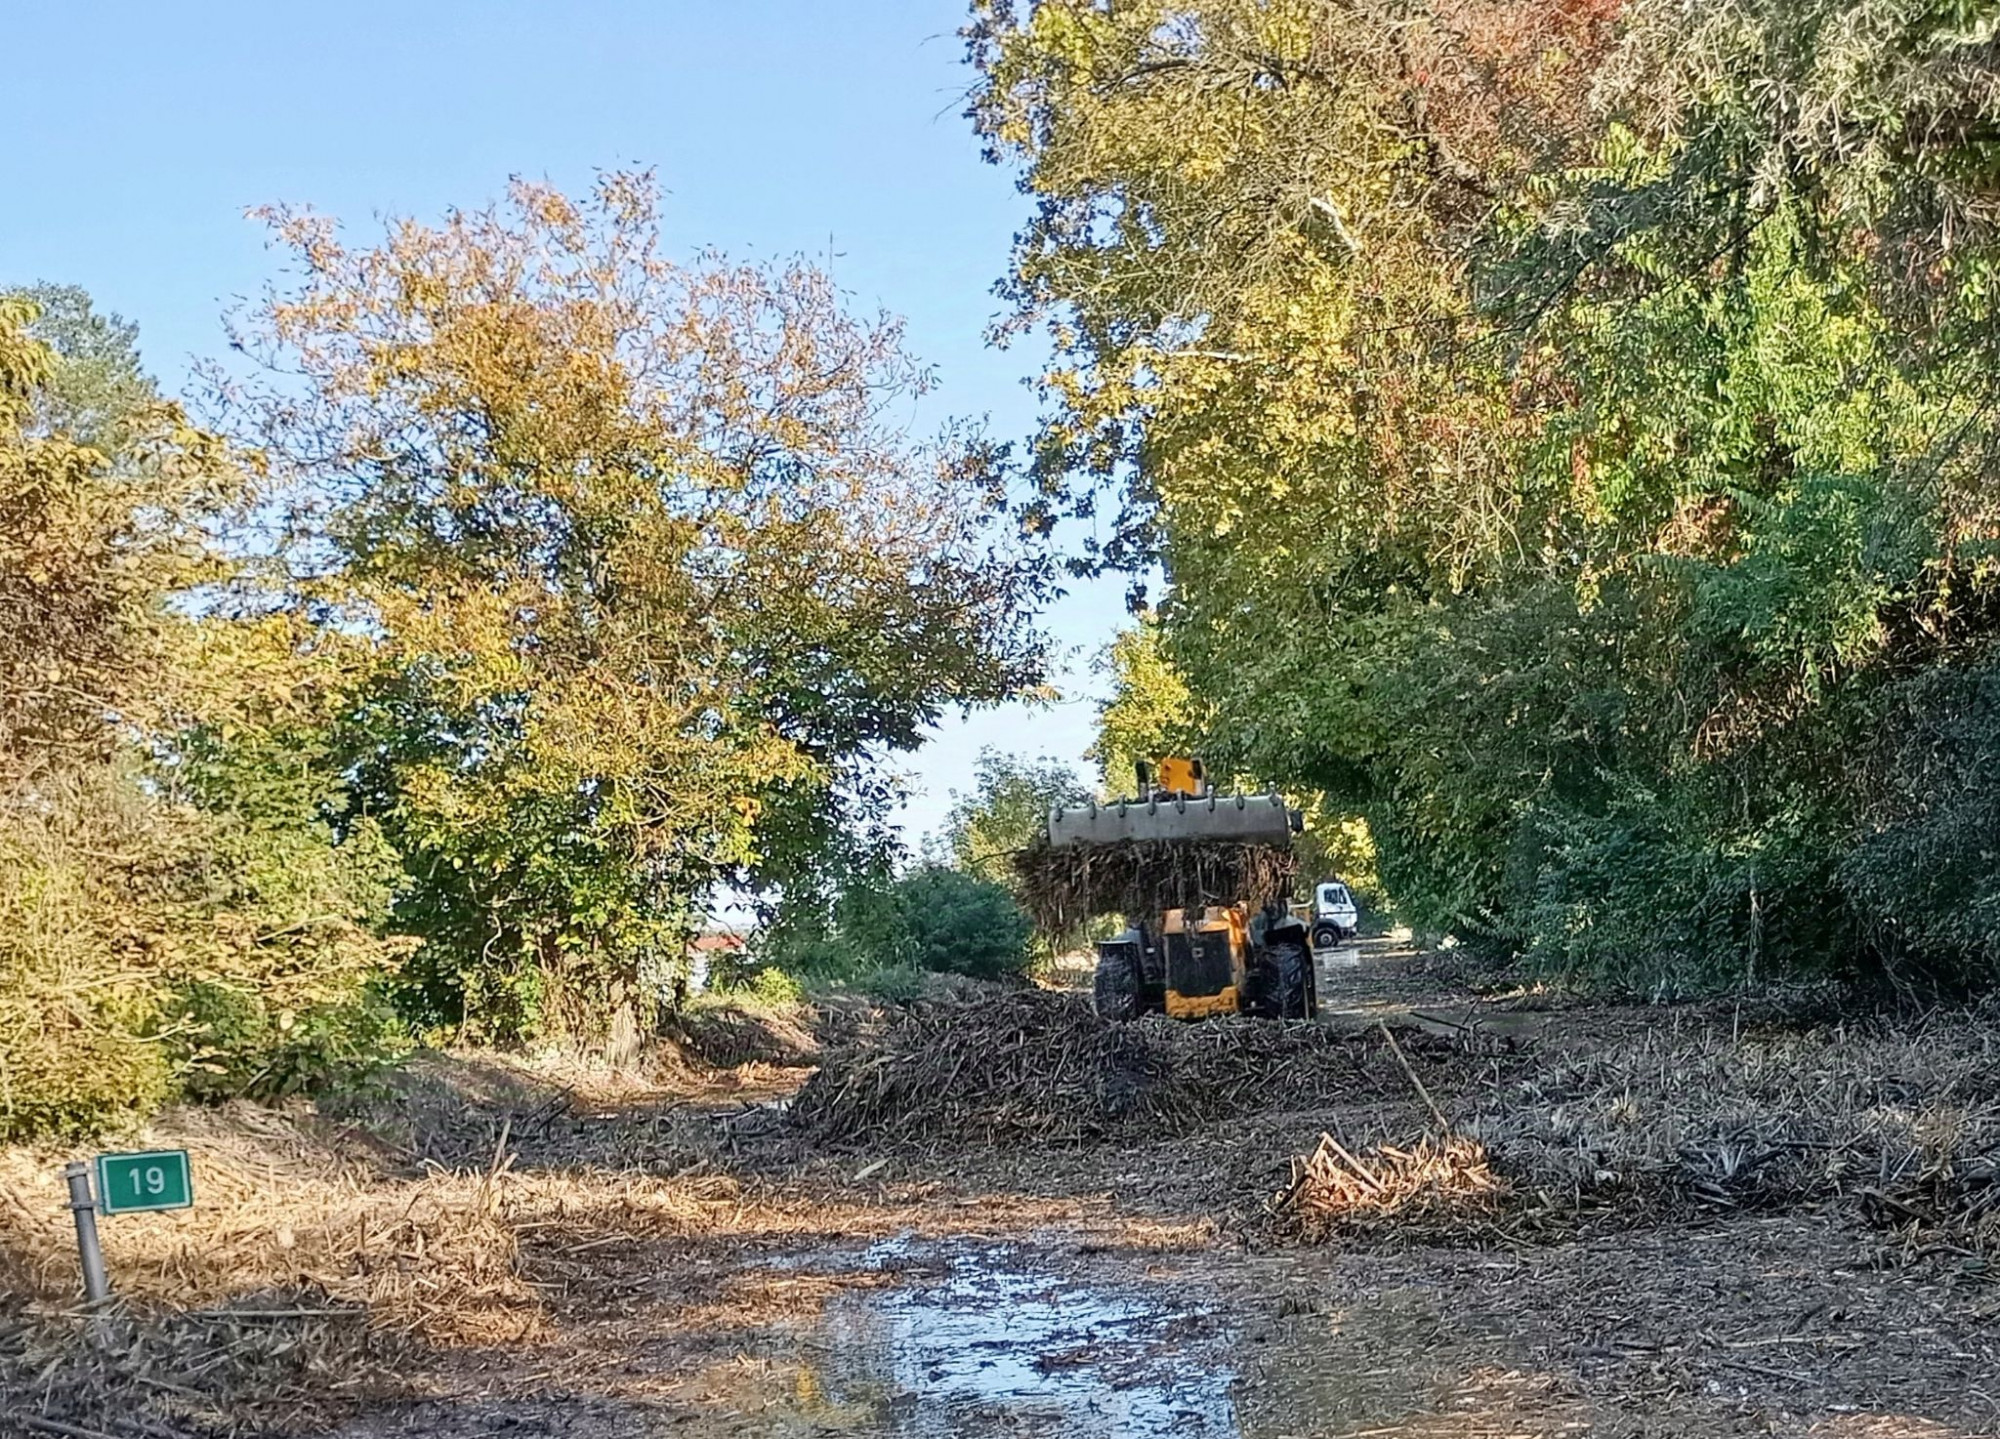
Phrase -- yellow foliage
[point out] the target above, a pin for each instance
(635, 546)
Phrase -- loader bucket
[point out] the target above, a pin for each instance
(1232, 818)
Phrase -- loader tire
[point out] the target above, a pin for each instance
(1115, 990)
(1291, 979)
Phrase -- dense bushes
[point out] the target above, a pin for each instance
(78, 1011)
(1922, 884)
(177, 914)
(959, 923)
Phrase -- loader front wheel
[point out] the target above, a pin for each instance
(1291, 978)
(1115, 992)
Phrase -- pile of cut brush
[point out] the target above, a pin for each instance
(1899, 1119)
(224, 1373)
(1895, 1122)
(1041, 1067)
(1443, 1188)
(1063, 886)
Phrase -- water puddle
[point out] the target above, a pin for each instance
(995, 1346)
(996, 1340)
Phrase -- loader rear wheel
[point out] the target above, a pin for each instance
(1115, 991)
(1291, 978)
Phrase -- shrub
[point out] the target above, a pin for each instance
(898, 985)
(254, 1052)
(77, 1014)
(150, 947)
(935, 919)
(959, 923)
(766, 987)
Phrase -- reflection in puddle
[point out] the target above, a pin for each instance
(991, 1347)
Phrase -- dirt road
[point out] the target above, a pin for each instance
(1115, 1291)
(1706, 1222)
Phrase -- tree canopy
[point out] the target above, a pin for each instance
(1565, 433)
(627, 554)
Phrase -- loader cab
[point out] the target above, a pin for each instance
(1175, 778)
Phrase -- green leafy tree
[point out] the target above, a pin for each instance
(935, 919)
(640, 556)
(1150, 714)
(1565, 431)
(1006, 811)
(96, 392)
(960, 923)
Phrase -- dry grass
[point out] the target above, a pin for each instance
(493, 1205)
(282, 1211)
(324, 1256)
(482, 1204)
(300, 1272)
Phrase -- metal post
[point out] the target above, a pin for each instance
(96, 1286)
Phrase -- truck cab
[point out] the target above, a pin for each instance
(1335, 915)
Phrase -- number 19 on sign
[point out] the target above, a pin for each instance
(158, 1179)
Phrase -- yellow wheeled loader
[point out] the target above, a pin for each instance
(1224, 950)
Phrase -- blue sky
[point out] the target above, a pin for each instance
(140, 132)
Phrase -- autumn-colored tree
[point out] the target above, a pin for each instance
(629, 553)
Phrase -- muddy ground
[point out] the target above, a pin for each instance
(680, 1260)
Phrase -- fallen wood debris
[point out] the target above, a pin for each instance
(1440, 1187)
(1039, 1066)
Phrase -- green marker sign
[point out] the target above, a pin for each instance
(157, 1179)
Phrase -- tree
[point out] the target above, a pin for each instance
(640, 556)
(96, 392)
(1565, 432)
(1007, 810)
(960, 923)
(1150, 712)
(172, 915)
(933, 918)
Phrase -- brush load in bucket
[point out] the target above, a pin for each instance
(1171, 850)
(1066, 886)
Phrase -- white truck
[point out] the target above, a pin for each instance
(1335, 915)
